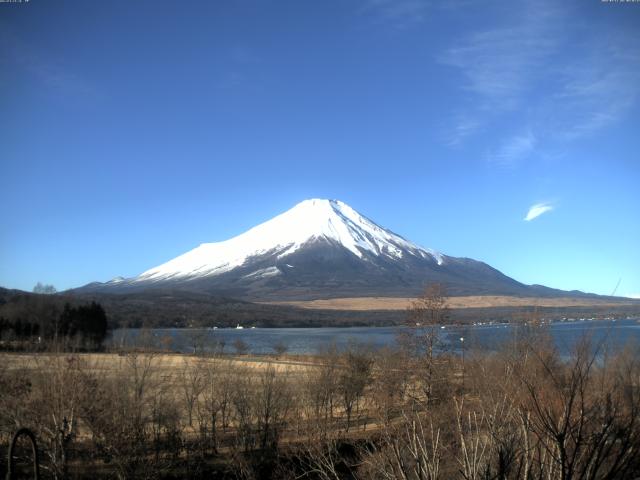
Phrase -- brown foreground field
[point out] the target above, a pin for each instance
(485, 301)
(522, 412)
(163, 363)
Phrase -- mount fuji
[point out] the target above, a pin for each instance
(319, 249)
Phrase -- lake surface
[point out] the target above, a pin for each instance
(614, 333)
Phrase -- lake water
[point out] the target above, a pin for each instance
(615, 333)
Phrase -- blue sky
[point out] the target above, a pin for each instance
(131, 132)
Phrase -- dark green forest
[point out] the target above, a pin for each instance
(29, 320)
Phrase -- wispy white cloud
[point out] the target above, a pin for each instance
(513, 150)
(561, 78)
(500, 67)
(397, 13)
(536, 210)
(463, 128)
(633, 295)
(502, 63)
(598, 91)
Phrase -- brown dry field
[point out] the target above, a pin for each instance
(394, 303)
(163, 363)
(166, 370)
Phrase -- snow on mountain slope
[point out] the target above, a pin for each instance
(317, 250)
(310, 220)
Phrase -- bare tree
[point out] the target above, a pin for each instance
(280, 348)
(242, 348)
(45, 289)
(354, 377)
(320, 391)
(408, 450)
(273, 401)
(213, 401)
(586, 417)
(197, 339)
(390, 380)
(242, 393)
(320, 458)
(127, 409)
(425, 315)
(56, 404)
(191, 381)
(473, 443)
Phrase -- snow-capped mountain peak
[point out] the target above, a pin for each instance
(317, 249)
(314, 220)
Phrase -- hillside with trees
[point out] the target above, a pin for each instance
(31, 321)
